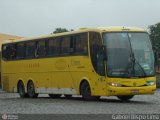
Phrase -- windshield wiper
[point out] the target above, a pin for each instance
(134, 61)
(141, 68)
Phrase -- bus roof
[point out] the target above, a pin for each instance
(81, 30)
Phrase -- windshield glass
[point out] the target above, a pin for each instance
(129, 54)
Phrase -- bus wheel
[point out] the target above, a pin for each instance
(125, 97)
(86, 92)
(31, 90)
(68, 96)
(54, 95)
(21, 90)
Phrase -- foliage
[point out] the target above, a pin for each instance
(154, 33)
(60, 30)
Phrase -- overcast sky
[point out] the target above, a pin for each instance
(29, 18)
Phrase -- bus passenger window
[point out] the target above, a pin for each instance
(65, 45)
(41, 49)
(20, 50)
(13, 51)
(6, 52)
(54, 46)
(30, 49)
(81, 44)
(72, 45)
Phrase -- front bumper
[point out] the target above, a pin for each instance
(114, 91)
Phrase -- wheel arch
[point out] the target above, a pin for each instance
(20, 80)
(30, 80)
(81, 82)
(35, 91)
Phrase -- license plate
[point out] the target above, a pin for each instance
(135, 91)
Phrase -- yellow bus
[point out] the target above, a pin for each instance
(105, 61)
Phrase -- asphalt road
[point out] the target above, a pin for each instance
(13, 104)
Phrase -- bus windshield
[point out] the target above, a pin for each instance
(129, 54)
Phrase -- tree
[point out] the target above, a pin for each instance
(154, 33)
(60, 30)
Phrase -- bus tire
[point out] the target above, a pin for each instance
(21, 90)
(86, 92)
(31, 90)
(125, 97)
(54, 95)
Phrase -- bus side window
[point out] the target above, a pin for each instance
(41, 49)
(21, 50)
(30, 49)
(5, 52)
(65, 45)
(96, 52)
(53, 46)
(81, 44)
(50, 50)
(13, 51)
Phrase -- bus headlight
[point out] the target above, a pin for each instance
(114, 84)
(149, 83)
